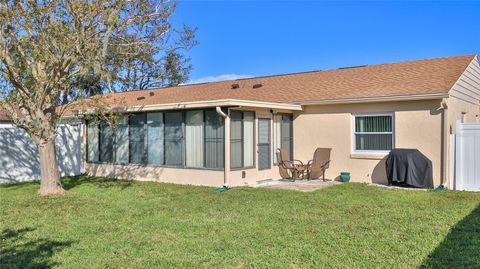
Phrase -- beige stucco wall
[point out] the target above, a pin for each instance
(417, 125)
(154, 173)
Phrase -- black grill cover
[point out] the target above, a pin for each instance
(410, 167)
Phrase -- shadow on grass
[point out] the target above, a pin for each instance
(16, 185)
(461, 247)
(16, 252)
(102, 182)
(74, 181)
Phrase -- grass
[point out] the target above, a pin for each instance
(105, 223)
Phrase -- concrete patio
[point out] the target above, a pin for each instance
(298, 185)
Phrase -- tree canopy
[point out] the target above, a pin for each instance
(55, 52)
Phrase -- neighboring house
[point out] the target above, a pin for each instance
(228, 132)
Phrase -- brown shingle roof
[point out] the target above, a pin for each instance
(393, 79)
(404, 78)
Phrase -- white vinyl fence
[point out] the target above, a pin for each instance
(19, 160)
(466, 157)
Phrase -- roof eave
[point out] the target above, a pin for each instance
(215, 103)
(411, 97)
(204, 104)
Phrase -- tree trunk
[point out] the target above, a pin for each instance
(50, 177)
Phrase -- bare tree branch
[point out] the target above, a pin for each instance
(55, 52)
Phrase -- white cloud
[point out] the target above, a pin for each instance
(219, 78)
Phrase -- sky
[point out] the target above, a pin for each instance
(256, 38)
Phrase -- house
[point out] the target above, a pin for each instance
(228, 132)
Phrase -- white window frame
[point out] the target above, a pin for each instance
(373, 114)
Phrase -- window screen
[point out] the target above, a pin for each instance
(194, 138)
(236, 139)
(106, 143)
(155, 138)
(283, 134)
(173, 138)
(92, 143)
(287, 136)
(374, 133)
(137, 139)
(121, 142)
(263, 144)
(214, 140)
(242, 138)
(248, 138)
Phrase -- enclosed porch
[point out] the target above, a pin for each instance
(231, 143)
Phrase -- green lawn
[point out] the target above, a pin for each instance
(103, 223)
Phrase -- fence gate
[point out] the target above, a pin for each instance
(467, 157)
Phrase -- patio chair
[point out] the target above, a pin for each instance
(319, 164)
(289, 169)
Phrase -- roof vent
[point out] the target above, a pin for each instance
(351, 67)
(151, 93)
(235, 86)
(256, 86)
(140, 98)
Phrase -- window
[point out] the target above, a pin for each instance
(92, 147)
(174, 138)
(214, 140)
(100, 142)
(263, 144)
(121, 142)
(106, 143)
(155, 131)
(137, 139)
(373, 132)
(194, 138)
(236, 140)
(283, 134)
(241, 139)
(248, 139)
(277, 136)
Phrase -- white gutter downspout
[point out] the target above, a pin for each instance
(220, 112)
(446, 150)
(226, 169)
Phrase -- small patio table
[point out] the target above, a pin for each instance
(299, 171)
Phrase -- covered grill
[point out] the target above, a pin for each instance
(410, 167)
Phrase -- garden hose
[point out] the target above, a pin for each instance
(222, 189)
(439, 189)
